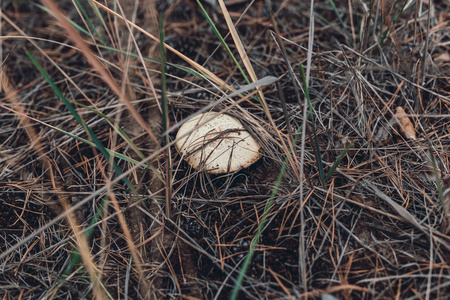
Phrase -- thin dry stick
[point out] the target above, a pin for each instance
(301, 244)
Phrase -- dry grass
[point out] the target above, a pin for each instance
(379, 228)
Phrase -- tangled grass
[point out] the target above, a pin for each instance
(95, 201)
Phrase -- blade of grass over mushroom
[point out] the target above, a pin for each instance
(226, 149)
(97, 142)
(222, 41)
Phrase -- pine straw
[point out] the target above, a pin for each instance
(376, 229)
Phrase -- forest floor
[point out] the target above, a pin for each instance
(349, 101)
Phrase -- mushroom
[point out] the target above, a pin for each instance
(217, 143)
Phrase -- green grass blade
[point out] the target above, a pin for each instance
(333, 5)
(97, 34)
(118, 155)
(255, 240)
(318, 156)
(76, 255)
(123, 135)
(119, 130)
(336, 163)
(75, 25)
(384, 34)
(337, 14)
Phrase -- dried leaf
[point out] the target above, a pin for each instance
(406, 127)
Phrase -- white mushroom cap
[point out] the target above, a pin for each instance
(217, 144)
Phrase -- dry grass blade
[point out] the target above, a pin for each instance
(242, 52)
(302, 243)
